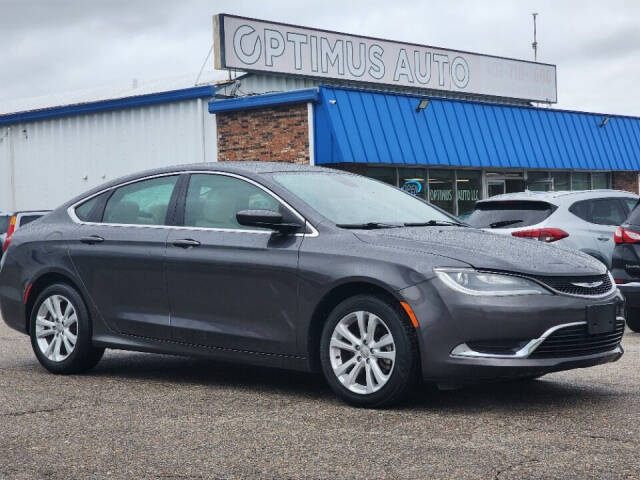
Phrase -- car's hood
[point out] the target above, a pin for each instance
(485, 250)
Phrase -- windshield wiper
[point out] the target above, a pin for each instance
(366, 226)
(435, 223)
(504, 223)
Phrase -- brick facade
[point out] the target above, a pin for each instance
(625, 181)
(274, 134)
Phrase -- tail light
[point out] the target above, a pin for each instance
(547, 235)
(624, 235)
(10, 230)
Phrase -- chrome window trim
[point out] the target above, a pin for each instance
(72, 213)
(464, 351)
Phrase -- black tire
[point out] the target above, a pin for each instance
(633, 319)
(405, 372)
(84, 356)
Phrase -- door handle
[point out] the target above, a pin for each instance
(603, 239)
(92, 239)
(185, 243)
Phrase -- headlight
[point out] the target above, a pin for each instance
(472, 282)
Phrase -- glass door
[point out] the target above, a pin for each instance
(496, 187)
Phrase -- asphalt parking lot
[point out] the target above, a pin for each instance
(148, 416)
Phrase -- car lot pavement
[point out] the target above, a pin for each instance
(147, 416)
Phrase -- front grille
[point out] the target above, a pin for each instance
(575, 341)
(567, 284)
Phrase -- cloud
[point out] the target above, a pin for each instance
(51, 46)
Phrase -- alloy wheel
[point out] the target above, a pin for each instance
(362, 352)
(56, 328)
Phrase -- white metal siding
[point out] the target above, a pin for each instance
(256, 83)
(56, 159)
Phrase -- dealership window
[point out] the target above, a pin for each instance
(469, 183)
(413, 181)
(599, 180)
(384, 174)
(561, 181)
(539, 181)
(580, 181)
(441, 189)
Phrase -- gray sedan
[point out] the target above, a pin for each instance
(303, 268)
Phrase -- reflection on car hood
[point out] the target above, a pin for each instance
(481, 249)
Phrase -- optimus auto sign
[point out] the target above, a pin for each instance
(261, 46)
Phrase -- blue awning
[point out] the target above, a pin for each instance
(358, 126)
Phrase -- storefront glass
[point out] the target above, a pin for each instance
(438, 185)
(384, 174)
(600, 180)
(539, 181)
(441, 189)
(413, 181)
(580, 181)
(560, 181)
(469, 184)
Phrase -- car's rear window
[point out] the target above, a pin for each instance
(509, 214)
(4, 223)
(25, 219)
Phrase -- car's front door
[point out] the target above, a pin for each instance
(231, 286)
(119, 255)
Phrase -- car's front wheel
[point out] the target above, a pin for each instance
(60, 330)
(369, 352)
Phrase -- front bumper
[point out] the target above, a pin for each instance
(450, 321)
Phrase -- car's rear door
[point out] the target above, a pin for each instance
(231, 286)
(601, 216)
(120, 252)
(626, 256)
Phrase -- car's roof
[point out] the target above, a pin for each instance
(560, 196)
(249, 167)
(239, 167)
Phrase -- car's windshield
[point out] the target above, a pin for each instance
(352, 200)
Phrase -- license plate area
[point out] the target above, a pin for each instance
(601, 318)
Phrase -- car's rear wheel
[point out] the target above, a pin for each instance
(633, 319)
(60, 330)
(369, 352)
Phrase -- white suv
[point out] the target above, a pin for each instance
(583, 220)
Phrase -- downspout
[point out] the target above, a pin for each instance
(310, 126)
(203, 153)
(12, 168)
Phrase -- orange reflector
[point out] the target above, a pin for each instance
(412, 316)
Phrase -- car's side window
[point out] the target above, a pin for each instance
(141, 203)
(607, 211)
(629, 203)
(581, 210)
(213, 201)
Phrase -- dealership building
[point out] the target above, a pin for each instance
(449, 126)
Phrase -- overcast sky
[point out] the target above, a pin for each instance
(53, 46)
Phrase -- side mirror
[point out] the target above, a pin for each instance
(266, 219)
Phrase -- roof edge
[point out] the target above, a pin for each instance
(264, 100)
(107, 105)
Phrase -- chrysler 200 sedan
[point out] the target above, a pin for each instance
(303, 268)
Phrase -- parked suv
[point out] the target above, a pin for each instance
(580, 220)
(10, 222)
(625, 266)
